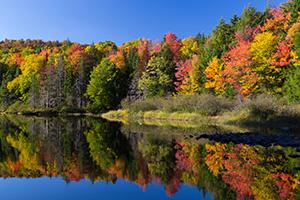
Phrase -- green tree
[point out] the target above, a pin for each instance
(296, 42)
(159, 76)
(292, 6)
(250, 18)
(105, 89)
(292, 85)
(222, 37)
(8, 74)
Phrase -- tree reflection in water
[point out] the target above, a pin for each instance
(96, 150)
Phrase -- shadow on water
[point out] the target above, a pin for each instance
(219, 166)
(266, 140)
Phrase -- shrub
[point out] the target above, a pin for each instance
(205, 104)
(264, 107)
(145, 105)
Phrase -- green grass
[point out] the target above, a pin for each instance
(241, 117)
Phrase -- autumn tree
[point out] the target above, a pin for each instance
(105, 49)
(262, 49)
(238, 69)
(214, 76)
(60, 73)
(30, 67)
(189, 47)
(293, 7)
(174, 45)
(278, 23)
(80, 61)
(159, 76)
(188, 76)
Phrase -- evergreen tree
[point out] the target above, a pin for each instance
(250, 18)
(222, 36)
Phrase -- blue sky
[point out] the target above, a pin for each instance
(88, 21)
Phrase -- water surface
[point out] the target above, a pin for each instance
(89, 158)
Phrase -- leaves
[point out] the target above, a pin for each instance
(214, 74)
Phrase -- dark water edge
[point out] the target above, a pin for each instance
(145, 161)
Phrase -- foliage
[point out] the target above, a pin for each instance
(160, 158)
(29, 68)
(238, 71)
(188, 77)
(214, 76)
(264, 107)
(297, 41)
(292, 85)
(262, 48)
(256, 52)
(158, 78)
(97, 151)
(104, 89)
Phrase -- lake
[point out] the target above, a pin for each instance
(90, 158)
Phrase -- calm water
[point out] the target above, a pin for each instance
(87, 158)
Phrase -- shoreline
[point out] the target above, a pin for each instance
(240, 118)
(51, 114)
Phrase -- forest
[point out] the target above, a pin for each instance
(255, 53)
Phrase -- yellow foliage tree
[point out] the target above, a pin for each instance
(294, 28)
(262, 49)
(189, 47)
(29, 68)
(213, 74)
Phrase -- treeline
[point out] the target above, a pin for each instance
(257, 52)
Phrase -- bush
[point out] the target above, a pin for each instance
(145, 105)
(264, 107)
(204, 104)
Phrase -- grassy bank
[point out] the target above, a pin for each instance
(207, 109)
(125, 115)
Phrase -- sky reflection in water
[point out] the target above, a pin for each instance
(56, 188)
